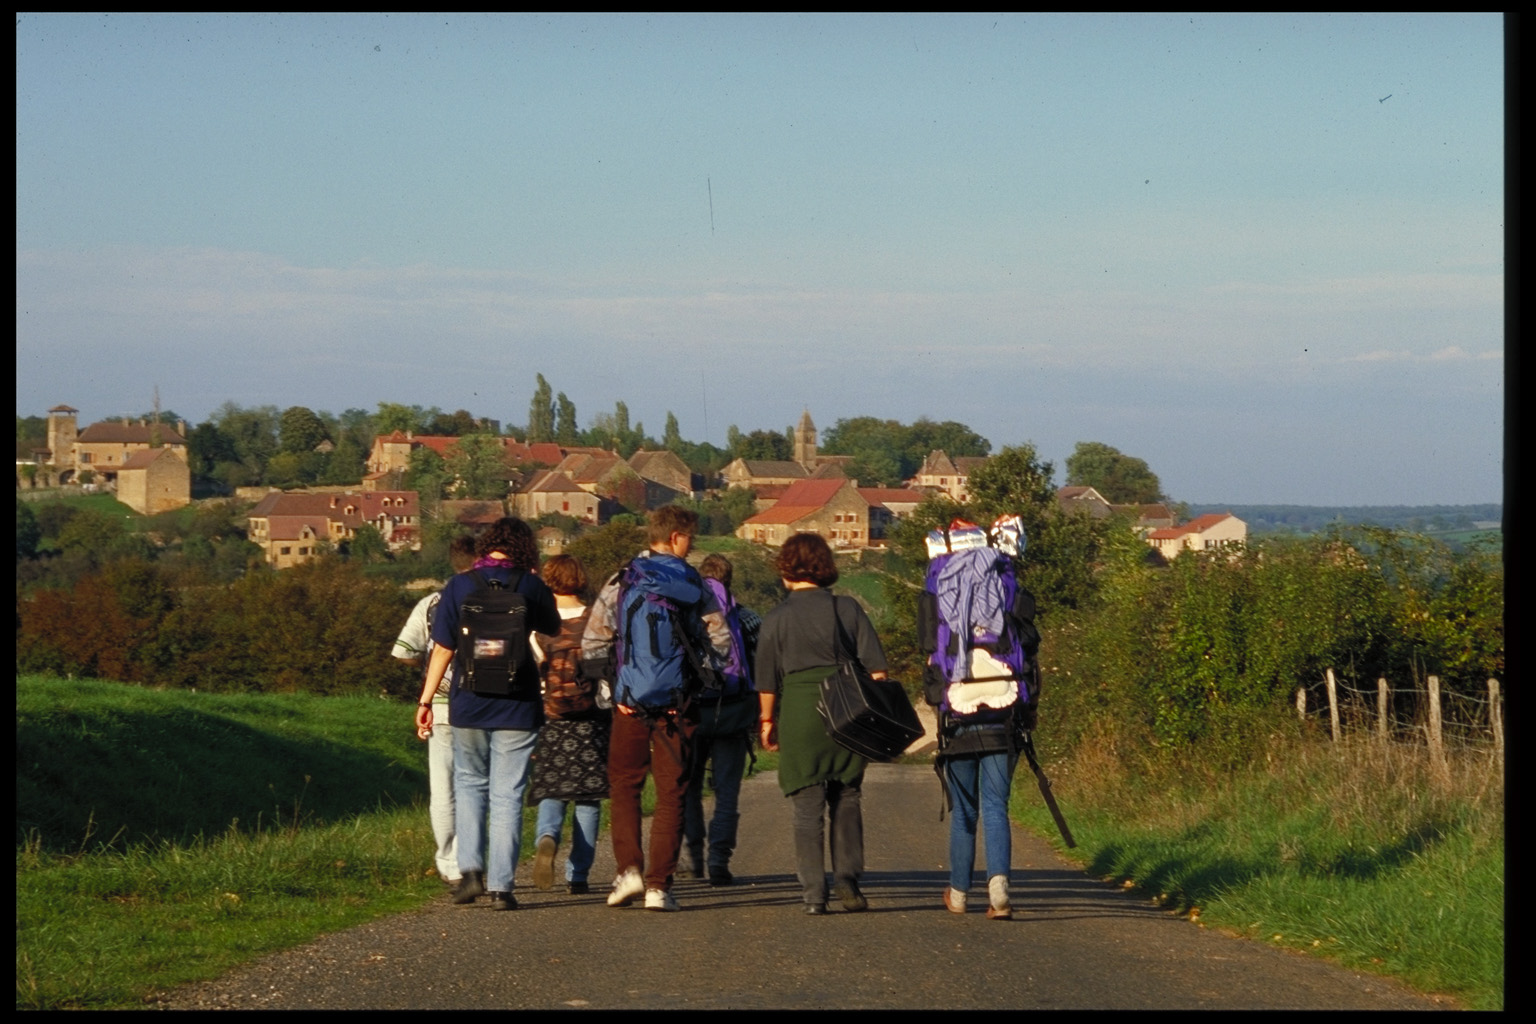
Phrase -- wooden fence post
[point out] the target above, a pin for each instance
(1333, 705)
(1496, 722)
(1301, 704)
(1383, 728)
(1436, 740)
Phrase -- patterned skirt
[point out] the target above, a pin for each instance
(570, 761)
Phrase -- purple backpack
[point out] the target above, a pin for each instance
(733, 673)
(977, 624)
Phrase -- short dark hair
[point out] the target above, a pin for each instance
(717, 567)
(564, 575)
(461, 552)
(806, 558)
(670, 519)
(513, 538)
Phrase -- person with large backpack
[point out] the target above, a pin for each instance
(655, 630)
(976, 624)
(570, 761)
(414, 646)
(727, 722)
(482, 626)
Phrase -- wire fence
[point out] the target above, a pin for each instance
(1428, 714)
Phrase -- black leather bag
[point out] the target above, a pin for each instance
(873, 718)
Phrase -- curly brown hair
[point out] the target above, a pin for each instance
(513, 538)
(806, 558)
(564, 575)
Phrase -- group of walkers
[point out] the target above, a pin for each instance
(664, 674)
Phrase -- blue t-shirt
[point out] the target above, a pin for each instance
(472, 711)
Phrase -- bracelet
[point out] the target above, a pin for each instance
(424, 704)
(765, 721)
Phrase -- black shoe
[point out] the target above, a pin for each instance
(470, 886)
(814, 909)
(503, 901)
(578, 888)
(849, 896)
(720, 876)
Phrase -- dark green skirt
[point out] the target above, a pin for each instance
(807, 755)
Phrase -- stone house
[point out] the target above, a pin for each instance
(833, 508)
(939, 472)
(104, 447)
(290, 526)
(155, 480)
(886, 505)
(667, 477)
(552, 491)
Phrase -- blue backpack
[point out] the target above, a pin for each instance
(660, 654)
(733, 674)
(976, 623)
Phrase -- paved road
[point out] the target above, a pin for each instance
(1074, 943)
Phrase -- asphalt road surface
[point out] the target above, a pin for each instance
(1074, 943)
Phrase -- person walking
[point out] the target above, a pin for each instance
(651, 624)
(570, 760)
(728, 716)
(799, 647)
(414, 646)
(493, 736)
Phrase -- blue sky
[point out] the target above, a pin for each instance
(1263, 253)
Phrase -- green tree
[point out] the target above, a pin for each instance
(367, 546)
(455, 424)
(1120, 478)
(28, 533)
(300, 430)
(603, 550)
(765, 445)
(427, 475)
(541, 413)
(476, 461)
(393, 416)
(566, 432)
(671, 437)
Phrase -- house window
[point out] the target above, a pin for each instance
(85, 457)
(303, 551)
(285, 551)
(565, 506)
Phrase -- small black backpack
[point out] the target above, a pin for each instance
(493, 658)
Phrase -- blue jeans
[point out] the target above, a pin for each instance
(583, 833)
(490, 773)
(440, 783)
(978, 788)
(729, 754)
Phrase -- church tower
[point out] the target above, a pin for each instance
(805, 441)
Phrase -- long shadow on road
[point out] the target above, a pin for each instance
(1074, 942)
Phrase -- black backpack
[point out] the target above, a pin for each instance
(493, 658)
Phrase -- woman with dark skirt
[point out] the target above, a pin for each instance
(802, 642)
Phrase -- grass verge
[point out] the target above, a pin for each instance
(1355, 853)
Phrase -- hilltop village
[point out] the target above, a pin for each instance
(145, 463)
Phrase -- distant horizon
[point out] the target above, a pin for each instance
(1262, 252)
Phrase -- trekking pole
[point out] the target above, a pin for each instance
(1045, 790)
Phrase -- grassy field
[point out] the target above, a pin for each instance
(1349, 852)
(165, 837)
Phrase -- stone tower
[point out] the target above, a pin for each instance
(62, 431)
(805, 441)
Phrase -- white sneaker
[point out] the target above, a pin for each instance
(625, 888)
(954, 900)
(660, 899)
(997, 897)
